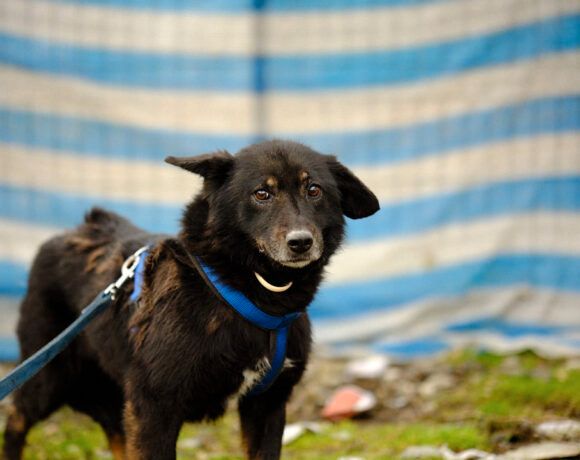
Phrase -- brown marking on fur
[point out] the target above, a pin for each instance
(117, 446)
(139, 333)
(161, 280)
(16, 421)
(96, 250)
(165, 278)
(215, 322)
(272, 182)
(131, 422)
(82, 243)
(94, 258)
(304, 176)
(246, 443)
(111, 263)
(213, 325)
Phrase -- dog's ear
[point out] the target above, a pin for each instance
(356, 199)
(213, 167)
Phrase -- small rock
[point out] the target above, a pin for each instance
(393, 374)
(559, 430)
(342, 435)
(399, 402)
(295, 430)
(417, 452)
(347, 402)
(436, 383)
(370, 368)
(511, 365)
(189, 443)
(472, 454)
(543, 451)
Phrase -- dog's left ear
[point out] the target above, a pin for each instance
(213, 167)
(356, 199)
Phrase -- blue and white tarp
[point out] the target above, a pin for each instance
(462, 115)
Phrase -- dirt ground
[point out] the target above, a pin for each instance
(430, 408)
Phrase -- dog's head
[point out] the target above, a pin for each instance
(282, 197)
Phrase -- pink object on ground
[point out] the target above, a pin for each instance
(347, 402)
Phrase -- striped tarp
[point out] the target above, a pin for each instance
(462, 115)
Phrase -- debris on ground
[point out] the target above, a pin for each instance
(348, 401)
(543, 451)
(465, 405)
(559, 430)
(293, 431)
(370, 368)
(443, 452)
(189, 443)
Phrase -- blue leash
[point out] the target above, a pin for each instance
(133, 267)
(32, 365)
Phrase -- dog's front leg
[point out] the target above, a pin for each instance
(152, 430)
(262, 420)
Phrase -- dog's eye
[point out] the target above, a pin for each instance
(314, 191)
(262, 195)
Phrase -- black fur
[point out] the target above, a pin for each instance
(142, 370)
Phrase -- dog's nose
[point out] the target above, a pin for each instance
(299, 241)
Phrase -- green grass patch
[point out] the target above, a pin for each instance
(529, 388)
(382, 441)
(527, 396)
(493, 405)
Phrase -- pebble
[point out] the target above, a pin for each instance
(294, 431)
(559, 430)
(543, 451)
(435, 384)
(189, 443)
(419, 452)
(371, 368)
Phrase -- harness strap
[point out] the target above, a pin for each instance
(278, 325)
(245, 306)
(138, 277)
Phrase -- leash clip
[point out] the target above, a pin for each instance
(127, 272)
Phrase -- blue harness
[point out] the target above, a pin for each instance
(248, 310)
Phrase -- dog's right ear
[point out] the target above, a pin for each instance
(213, 167)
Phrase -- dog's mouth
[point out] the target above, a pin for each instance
(300, 263)
(280, 254)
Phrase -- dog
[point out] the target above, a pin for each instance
(266, 221)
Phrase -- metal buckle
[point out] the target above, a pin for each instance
(127, 272)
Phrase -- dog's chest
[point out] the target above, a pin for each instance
(252, 376)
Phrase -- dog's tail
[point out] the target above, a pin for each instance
(100, 223)
(101, 227)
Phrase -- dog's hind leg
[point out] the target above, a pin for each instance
(15, 433)
(45, 392)
(102, 399)
(111, 423)
(32, 403)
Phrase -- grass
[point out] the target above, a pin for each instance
(531, 388)
(492, 407)
(382, 441)
(70, 436)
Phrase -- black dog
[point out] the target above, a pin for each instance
(266, 220)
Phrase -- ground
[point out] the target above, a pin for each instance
(466, 399)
